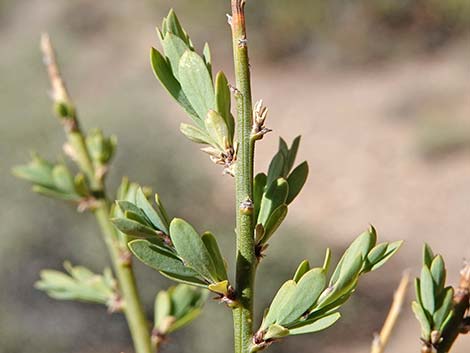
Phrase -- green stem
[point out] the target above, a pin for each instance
(246, 259)
(120, 257)
(133, 309)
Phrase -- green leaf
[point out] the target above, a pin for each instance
(303, 268)
(162, 70)
(284, 149)
(376, 254)
(438, 272)
(133, 228)
(275, 331)
(162, 309)
(126, 206)
(306, 293)
(259, 185)
(63, 179)
(276, 168)
(38, 171)
(428, 255)
(152, 215)
(423, 320)
(273, 222)
(217, 129)
(274, 197)
(327, 260)
(196, 83)
(191, 249)
(185, 320)
(79, 284)
(185, 298)
(194, 134)
(174, 48)
(162, 214)
(54, 193)
(81, 185)
(172, 25)
(220, 287)
(292, 154)
(131, 216)
(207, 56)
(210, 242)
(441, 314)
(160, 259)
(223, 102)
(427, 290)
(320, 311)
(359, 247)
(296, 181)
(392, 248)
(189, 280)
(315, 326)
(282, 296)
(346, 282)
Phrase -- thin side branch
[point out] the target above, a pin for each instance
(76, 146)
(461, 312)
(380, 341)
(59, 91)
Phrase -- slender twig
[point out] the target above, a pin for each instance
(380, 341)
(246, 259)
(461, 307)
(120, 257)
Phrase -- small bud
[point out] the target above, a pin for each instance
(435, 337)
(246, 207)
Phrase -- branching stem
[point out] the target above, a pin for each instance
(133, 308)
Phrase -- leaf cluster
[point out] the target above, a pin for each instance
(175, 308)
(274, 191)
(175, 248)
(188, 77)
(309, 302)
(434, 305)
(79, 283)
(53, 179)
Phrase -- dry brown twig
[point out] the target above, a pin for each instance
(380, 340)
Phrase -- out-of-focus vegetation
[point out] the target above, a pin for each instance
(355, 30)
(104, 50)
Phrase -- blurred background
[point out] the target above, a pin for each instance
(379, 90)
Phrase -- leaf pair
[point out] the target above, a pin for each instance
(192, 259)
(80, 284)
(188, 78)
(276, 190)
(136, 217)
(433, 306)
(177, 307)
(175, 249)
(308, 304)
(53, 180)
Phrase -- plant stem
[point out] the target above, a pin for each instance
(133, 309)
(120, 257)
(461, 305)
(380, 342)
(246, 259)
